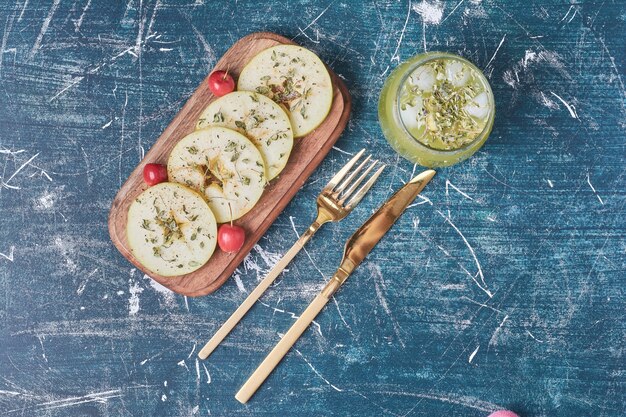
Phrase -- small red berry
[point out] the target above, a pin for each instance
(221, 83)
(154, 174)
(230, 237)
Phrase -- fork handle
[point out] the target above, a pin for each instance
(280, 350)
(252, 298)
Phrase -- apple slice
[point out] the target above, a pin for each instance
(171, 229)
(224, 166)
(294, 77)
(258, 118)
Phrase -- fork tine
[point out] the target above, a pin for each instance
(356, 183)
(353, 174)
(343, 171)
(364, 189)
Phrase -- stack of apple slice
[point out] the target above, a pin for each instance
(218, 173)
(224, 166)
(171, 229)
(295, 78)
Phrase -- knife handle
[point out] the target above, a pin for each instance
(280, 350)
(253, 297)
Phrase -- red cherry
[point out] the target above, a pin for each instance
(230, 237)
(221, 83)
(154, 174)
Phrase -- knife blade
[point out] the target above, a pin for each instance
(360, 244)
(356, 249)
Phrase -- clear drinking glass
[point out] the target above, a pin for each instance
(395, 130)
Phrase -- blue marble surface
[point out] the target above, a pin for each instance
(503, 287)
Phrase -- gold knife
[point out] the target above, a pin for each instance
(356, 249)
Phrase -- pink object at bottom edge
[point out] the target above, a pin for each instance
(503, 413)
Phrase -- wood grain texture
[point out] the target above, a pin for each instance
(308, 152)
(537, 213)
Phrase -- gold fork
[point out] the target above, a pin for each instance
(334, 203)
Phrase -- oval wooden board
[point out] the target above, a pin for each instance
(307, 154)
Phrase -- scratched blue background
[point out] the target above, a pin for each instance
(502, 287)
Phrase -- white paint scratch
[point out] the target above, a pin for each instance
(133, 301)
(6, 151)
(168, 295)
(130, 51)
(594, 190)
(250, 264)
(44, 29)
(448, 398)
(317, 372)
(533, 336)
(239, 283)
(43, 350)
(617, 72)
(453, 10)
(496, 51)
(10, 393)
(79, 22)
(8, 257)
(524, 65)
(449, 184)
(567, 14)
(379, 286)
(570, 108)
(547, 102)
(209, 53)
(157, 6)
(494, 336)
(317, 18)
(293, 226)
(5, 37)
(342, 151)
(67, 87)
(395, 56)
(17, 171)
(19, 19)
(471, 357)
(482, 286)
(94, 397)
(193, 349)
(423, 200)
(208, 375)
(481, 304)
(345, 323)
(143, 362)
(83, 285)
(529, 56)
(293, 316)
(316, 40)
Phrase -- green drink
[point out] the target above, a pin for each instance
(436, 109)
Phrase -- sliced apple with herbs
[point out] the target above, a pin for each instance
(171, 230)
(258, 118)
(224, 166)
(294, 77)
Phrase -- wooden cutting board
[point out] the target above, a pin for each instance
(307, 154)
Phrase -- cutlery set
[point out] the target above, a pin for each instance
(337, 199)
